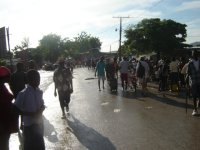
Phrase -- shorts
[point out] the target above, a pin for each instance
(64, 98)
(101, 77)
(124, 77)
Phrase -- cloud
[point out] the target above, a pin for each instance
(188, 5)
(36, 18)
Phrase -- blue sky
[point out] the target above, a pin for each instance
(35, 18)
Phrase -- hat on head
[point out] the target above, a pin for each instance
(4, 71)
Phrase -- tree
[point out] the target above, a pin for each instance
(50, 47)
(36, 55)
(87, 43)
(24, 45)
(155, 35)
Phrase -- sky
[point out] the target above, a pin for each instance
(34, 19)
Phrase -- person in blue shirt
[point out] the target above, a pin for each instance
(100, 70)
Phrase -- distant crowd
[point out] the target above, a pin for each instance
(26, 98)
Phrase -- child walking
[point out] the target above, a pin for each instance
(30, 103)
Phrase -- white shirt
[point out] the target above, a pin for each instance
(184, 69)
(30, 100)
(173, 66)
(124, 66)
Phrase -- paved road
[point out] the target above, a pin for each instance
(101, 120)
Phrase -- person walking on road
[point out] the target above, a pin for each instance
(30, 104)
(194, 79)
(163, 75)
(123, 68)
(62, 78)
(174, 78)
(142, 73)
(100, 70)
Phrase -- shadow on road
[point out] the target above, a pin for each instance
(130, 94)
(155, 96)
(170, 101)
(49, 131)
(88, 136)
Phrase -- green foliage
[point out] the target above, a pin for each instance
(36, 55)
(51, 47)
(2, 62)
(155, 35)
(86, 43)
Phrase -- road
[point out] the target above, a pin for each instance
(102, 120)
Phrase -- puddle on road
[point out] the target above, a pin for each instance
(105, 103)
(117, 110)
(148, 107)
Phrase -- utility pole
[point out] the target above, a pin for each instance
(10, 55)
(120, 35)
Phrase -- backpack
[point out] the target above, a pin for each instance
(164, 70)
(140, 71)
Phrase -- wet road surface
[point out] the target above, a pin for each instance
(104, 120)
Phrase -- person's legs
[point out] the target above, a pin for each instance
(122, 80)
(103, 79)
(4, 141)
(160, 84)
(27, 134)
(195, 91)
(38, 134)
(99, 78)
(62, 101)
(33, 137)
(171, 80)
(144, 87)
(164, 83)
(198, 96)
(126, 80)
(67, 100)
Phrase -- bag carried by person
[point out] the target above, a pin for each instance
(140, 71)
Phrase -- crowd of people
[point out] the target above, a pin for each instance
(171, 75)
(28, 100)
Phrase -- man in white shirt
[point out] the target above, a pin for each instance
(143, 80)
(123, 68)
